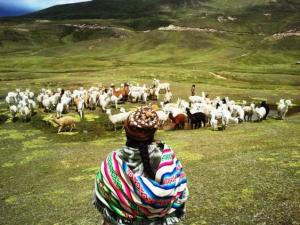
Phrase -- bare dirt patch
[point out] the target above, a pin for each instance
(178, 28)
(217, 76)
(289, 33)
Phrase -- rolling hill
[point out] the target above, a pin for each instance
(241, 39)
(258, 16)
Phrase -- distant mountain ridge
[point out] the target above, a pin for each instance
(106, 9)
(253, 16)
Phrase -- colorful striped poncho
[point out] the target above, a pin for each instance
(137, 197)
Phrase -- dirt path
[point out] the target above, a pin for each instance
(289, 33)
(172, 27)
(217, 76)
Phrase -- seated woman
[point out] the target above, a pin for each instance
(143, 182)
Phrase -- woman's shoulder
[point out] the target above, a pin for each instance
(160, 144)
(163, 147)
(157, 147)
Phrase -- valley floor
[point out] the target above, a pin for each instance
(247, 174)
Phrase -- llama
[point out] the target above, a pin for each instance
(196, 119)
(179, 120)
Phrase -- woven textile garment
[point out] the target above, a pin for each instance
(133, 196)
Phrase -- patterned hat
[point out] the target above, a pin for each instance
(144, 117)
(142, 124)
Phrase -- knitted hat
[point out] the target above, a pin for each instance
(142, 124)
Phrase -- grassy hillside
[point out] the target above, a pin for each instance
(147, 14)
(48, 48)
(248, 174)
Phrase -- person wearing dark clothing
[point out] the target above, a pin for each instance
(193, 90)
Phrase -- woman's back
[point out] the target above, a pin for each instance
(143, 182)
(133, 158)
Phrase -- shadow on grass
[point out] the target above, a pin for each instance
(3, 118)
(91, 127)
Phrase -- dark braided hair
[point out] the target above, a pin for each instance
(143, 148)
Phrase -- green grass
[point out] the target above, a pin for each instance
(248, 174)
(248, 62)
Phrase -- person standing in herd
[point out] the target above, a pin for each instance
(143, 183)
(193, 90)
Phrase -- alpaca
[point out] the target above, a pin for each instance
(196, 119)
(179, 120)
(117, 118)
(260, 113)
(283, 107)
(248, 112)
(267, 108)
(65, 122)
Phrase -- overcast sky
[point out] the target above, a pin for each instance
(17, 7)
